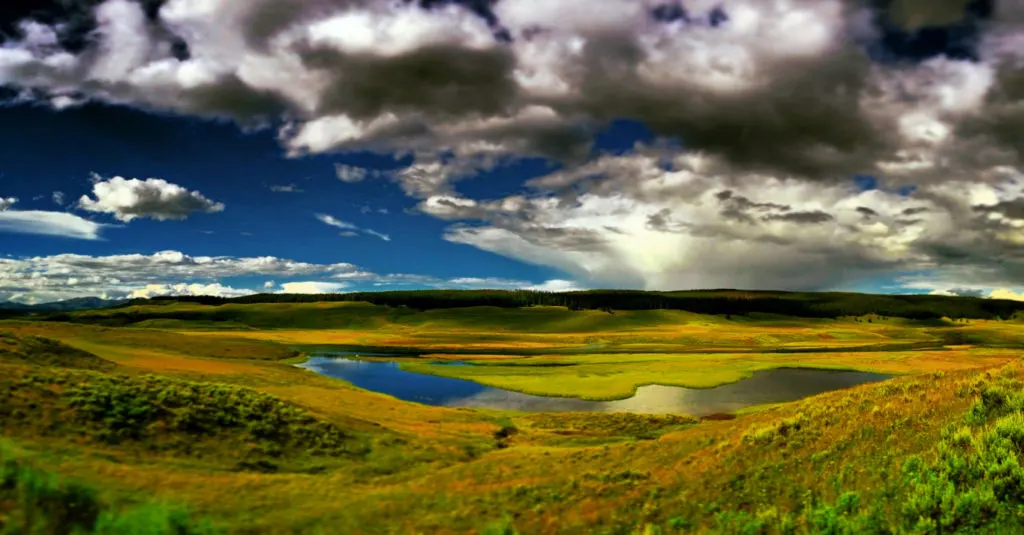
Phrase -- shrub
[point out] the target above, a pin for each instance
(135, 408)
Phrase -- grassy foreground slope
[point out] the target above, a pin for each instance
(281, 450)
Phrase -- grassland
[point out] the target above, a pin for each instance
(206, 420)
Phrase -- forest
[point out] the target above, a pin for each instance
(719, 302)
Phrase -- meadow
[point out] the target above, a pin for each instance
(195, 419)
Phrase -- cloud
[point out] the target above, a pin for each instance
(349, 230)
(556, 285)
(350, 173)
(376, 234)
(311, 287)
(523, 77)
(45, 223)
(1005, 293)
(641, 220)
(780, 103)
(65, 276)
(49, 278)
(334, 222)
(215, 289)
(494, 283)
(153, 198)
(6, 203)
(286, 188)
(58, 198)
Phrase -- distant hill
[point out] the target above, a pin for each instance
(741, 302)
(80, 303)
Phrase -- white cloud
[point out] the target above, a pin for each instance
(49, 224)
(494, 283)
(6, 203)
(376, 234)
(58, 198)
(350, 173)
(335, 222)
(349, 230)
(632, 223)
(556, 285)
(155, 198)
(312, 287)
(52, 278)
(1004, 293)
(195, 289)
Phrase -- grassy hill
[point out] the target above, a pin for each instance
(192, 417)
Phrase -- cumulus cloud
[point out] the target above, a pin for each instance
(350, 173)
(349, 230)
(65, 276)
(778, 103)
(181, 289)
(8, 202)
(528, 77)
(641, 220)
(154, 198)
(1005, 293)
(312, 287)
(49, 278)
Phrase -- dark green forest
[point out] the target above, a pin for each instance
(732, 302)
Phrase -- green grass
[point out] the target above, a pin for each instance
(221, 421)
(35, 501)
(35, 350)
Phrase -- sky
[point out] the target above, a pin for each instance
(217, 147)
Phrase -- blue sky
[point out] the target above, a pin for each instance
(805, 145)
(245, 172)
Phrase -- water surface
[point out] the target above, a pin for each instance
(768, 386)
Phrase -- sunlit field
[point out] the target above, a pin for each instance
(209, 421)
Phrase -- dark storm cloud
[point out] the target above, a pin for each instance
(76, 19)
(917, 30)
(440, 80)
(808, 122)
(813, 217)
(1013, 209)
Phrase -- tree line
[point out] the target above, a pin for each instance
(799, 304)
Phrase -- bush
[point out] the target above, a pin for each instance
(134, 408)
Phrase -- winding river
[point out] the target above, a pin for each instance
(767, 386)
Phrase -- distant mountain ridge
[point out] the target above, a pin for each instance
(78, 303)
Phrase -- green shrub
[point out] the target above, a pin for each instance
(134, 408)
